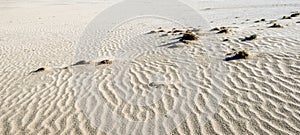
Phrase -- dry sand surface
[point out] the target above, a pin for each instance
(154, 82)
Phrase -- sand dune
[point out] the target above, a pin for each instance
(154, 83)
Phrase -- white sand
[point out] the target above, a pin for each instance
(155, 84)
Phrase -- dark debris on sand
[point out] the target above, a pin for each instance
(261, 20)
(276, 25)
(105, 62)
(295, 14)
(152, 32)
(188, 35)
(237, 55)
(225, 40)
(252, 37)
(38, 70)
(82, 62)
(161, 31)
(221, 30)
(286, 17)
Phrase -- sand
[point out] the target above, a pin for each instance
(53, 79)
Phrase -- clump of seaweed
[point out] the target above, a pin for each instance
(105, 62)
(155, 85)
(161, 31)
(215, 29)
(252, 37)
(261, 20)
(237, 55)
(286, 17)
(225, 40)
(188, 35)
(276, 25)
(295, 14)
